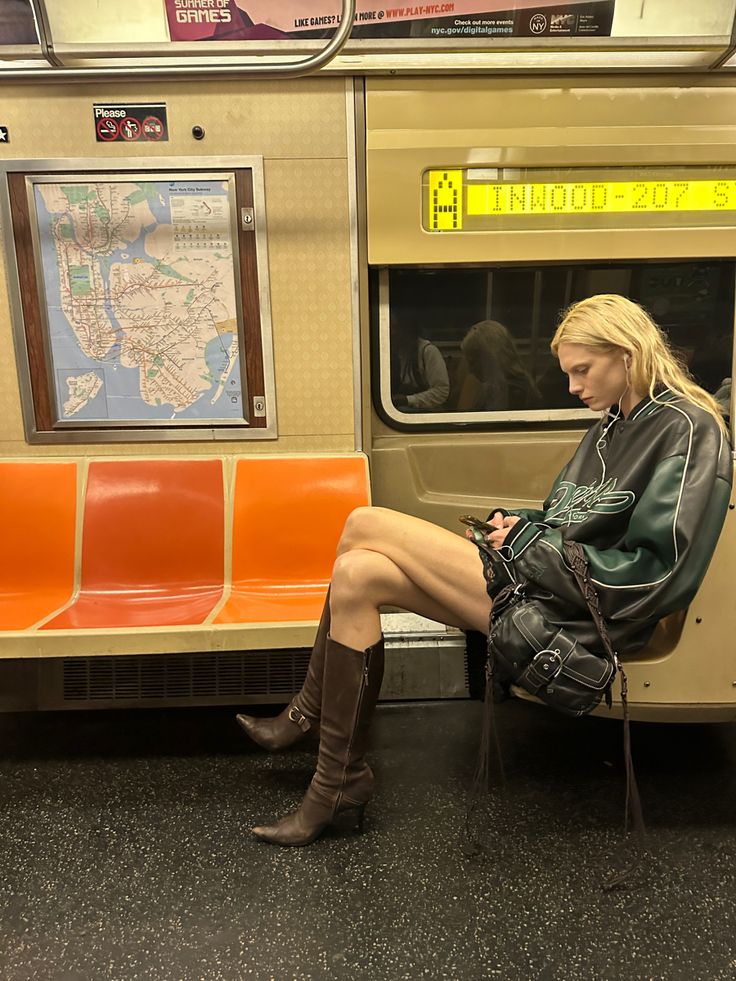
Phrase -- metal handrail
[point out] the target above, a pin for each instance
(728, 53)
(44, 31)
(303, 66)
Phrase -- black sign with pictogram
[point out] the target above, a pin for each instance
(4, 134)
(130, 123)
(108, 130)
(153, 128)
(130, 129)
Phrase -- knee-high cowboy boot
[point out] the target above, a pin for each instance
(302, 713)
(343, 781)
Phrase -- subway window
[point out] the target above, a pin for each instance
(467, 345)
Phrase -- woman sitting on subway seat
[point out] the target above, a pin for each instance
(645, 493)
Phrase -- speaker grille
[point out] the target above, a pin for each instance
(225, 675)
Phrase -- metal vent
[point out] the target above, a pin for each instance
(208, 677)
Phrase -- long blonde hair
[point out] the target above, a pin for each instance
(609, 321)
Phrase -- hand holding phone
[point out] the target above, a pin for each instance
(473, 522)
(493, 533)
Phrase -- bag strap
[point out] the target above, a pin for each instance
(575, 555)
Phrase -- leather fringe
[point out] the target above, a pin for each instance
(632, 807)
(489, 768)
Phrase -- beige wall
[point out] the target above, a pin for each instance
(300, 129)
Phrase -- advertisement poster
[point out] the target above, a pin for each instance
(264, 20)
(17, 24)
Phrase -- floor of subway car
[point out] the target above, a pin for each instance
(126, 852)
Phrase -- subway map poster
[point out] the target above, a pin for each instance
(140, 300)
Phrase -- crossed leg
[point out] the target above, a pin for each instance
(388, 558)
(384, 557)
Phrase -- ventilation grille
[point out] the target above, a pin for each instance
(208, 677)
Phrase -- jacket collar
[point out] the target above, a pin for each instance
(646, 407)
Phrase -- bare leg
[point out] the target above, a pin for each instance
(385, 557)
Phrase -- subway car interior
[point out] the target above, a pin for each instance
(268, 263)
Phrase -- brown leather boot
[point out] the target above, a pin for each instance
(343, 781)
(302, 713)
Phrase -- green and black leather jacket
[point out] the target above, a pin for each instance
(646, 496)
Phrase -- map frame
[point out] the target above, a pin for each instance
(30, 313)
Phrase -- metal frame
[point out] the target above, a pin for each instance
(354, 204)
(434, 421)
(141, 431)
(459, 419)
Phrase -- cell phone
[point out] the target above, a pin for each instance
(473, 522)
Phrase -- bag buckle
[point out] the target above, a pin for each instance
(549, 670)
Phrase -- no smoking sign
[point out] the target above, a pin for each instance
(130, 123)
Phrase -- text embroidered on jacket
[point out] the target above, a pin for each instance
(572, 503)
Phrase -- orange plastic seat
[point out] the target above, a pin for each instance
(288, 515)
(37, 524)
(152, 546)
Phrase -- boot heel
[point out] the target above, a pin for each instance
(350, 818)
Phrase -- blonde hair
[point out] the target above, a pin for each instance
(608, 322)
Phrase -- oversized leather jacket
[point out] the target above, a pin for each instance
(646, 496)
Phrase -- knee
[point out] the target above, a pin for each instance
(358, 576)
(361, 527)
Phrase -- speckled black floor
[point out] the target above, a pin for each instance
(125, 853)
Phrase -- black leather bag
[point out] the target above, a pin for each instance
(547, 660)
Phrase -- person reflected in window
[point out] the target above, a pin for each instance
(492, 357)
(419, 379)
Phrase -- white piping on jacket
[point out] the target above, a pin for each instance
(656, 582)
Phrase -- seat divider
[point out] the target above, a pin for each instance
(228, 490)
(81, 496)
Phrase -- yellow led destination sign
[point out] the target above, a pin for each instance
(445, 200)
(452, 197)
(601, 196)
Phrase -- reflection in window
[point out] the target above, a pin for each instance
(471, 340)
(419, 379)
(494, 364)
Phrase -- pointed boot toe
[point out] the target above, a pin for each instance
(289, 832)
(305, 825)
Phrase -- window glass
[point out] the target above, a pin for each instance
(472, 344)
